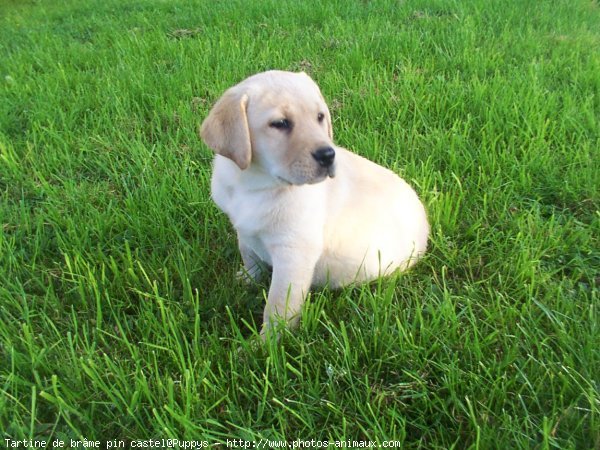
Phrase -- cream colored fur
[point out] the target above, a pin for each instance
(348, 222)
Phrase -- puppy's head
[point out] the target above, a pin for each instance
(277, 121)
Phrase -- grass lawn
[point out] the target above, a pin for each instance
(120, 316)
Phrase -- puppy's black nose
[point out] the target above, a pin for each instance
(324, 156)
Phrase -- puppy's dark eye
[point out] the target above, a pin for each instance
(320, 117)
(281, 124)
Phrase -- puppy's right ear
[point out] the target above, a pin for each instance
(226, 131)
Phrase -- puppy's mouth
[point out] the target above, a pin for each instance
(326, 172)
(302, 178)
(284, 181)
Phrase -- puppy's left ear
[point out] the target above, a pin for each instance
(329, 124)
(226, 131)
(327, 113)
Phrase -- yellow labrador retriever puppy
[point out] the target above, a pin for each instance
(316, 213)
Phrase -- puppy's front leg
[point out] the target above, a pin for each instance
(292, 276)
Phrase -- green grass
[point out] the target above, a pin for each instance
(119, 314)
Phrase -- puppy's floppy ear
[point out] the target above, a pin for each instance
(327, 113)
(226, 131)
(329, 124)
